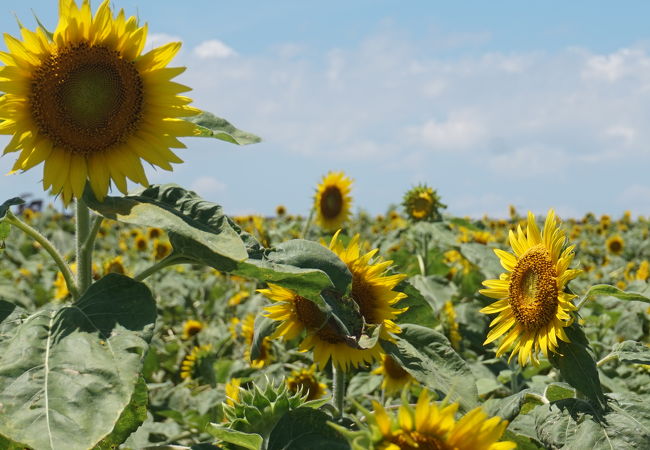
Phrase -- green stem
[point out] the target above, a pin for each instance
(307, 225)
(338, 388)
(48, 247)
(84, 255)
(96, 223)
(169, 261)
(582, 301)
(606, 359)
(537, 397)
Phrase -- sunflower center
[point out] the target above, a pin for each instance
(363, 296)
(331, 202)
(421, 206)
(615, 246)
(533, 288)
(413, 440)
(393, 369)
(308, 313)
(86, 99)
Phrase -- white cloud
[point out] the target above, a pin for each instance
(157, 39)
(460, 131)
(208, 187)
(213, 49)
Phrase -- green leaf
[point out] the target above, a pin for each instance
(420, 311)
(556, 391)
(209, 125)
(631, 352)
(130, 420)
(574, 425)
(8, 204)
(5, 228)
(430, 359)
(263, 328)
(577, 365)
(304, 428)
(483, 257)
(192, 223)
(436, 291)
(606, 289)
(249, 441)
(74, 367)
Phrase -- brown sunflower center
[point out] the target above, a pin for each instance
(393, 369)
(615, 246)
(308, 313)
(365, 298)
(412, 440)
(533, 288)
(305, 383)
(331, 202)
(86, 99)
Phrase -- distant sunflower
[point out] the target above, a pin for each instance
(532, 305)
(232, 389)
(161, 249)
(304, 381)
(115, 265)
(395, 377)
(430, 426)
(191, 328)
(422, 203)
(615, 244)
(332, 202)
(248, 332)
(192, 363)
(89, 104)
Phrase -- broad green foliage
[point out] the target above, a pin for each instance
(74, 367)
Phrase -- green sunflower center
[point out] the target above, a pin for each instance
(533, 288)
(86, 99)
(331, 202)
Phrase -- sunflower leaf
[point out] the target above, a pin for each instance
(577, 365)
(4, 208)
(606, 289)
(75, 367)
(574, 424)
(428, 356)
(208, 125)
(306, 428)
(630, 352)
(250, 441)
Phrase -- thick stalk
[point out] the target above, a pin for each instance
(49, 248)
(338, 388)
(84, 255)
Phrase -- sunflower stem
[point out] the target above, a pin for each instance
(338, 388)
(96, 223)
(169, 261)
(308, 222)
(84, 255)
(606, 359)
(48, 247)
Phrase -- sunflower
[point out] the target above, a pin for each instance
(615, 244)
(451, 325)
(299, 315)
(192, 363)
(430, 426)
(395, 377)
(115, 265)
(89, 104)
(232, 390)
(248, 332)
(304, 381)
(332, 201)
(161, 249)
(192, 327)
(532, 305)
(422, 203)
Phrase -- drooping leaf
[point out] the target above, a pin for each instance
(420, 311)
(209, 125)
(606, 289)
(74, 367)
(577, 365)
(428, 356)
(306, 428)
(264, 327)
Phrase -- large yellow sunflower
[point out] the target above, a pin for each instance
(430, 426)
(89, 104)
(532, 305)
(332, 202)
(299, 315)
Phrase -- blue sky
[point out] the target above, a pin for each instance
(491, 103)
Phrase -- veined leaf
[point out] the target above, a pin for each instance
(606, 289)
(208, 125)
(631, 352)
(428, 356)
(74, 367)
(304, 428)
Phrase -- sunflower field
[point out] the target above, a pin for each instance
(151, 319)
